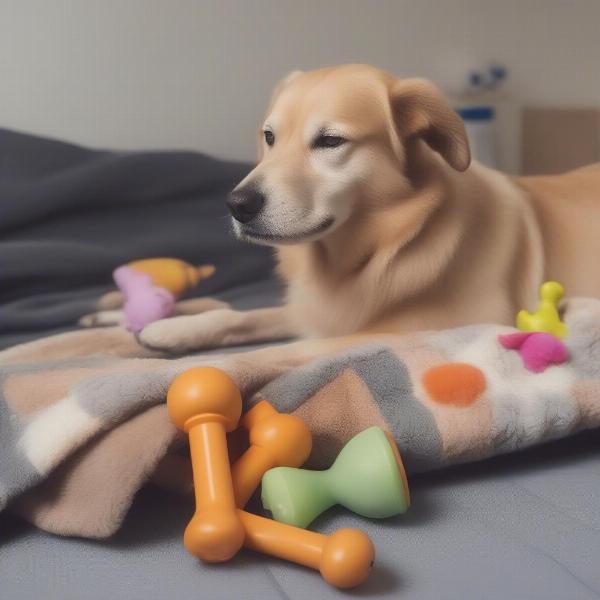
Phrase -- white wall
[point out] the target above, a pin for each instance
(197, 73)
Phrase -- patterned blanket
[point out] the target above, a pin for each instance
(83, 422)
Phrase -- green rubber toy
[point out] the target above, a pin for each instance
(367, 478)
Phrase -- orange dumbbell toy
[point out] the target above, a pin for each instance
(206, 403)
(276, 440)
(343, 558)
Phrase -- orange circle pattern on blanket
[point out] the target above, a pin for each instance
(459, 384)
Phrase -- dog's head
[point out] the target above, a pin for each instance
(336, 141)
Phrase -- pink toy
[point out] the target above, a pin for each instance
(538, 350)
(144, 301)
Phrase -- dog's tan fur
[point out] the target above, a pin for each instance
(422, 239)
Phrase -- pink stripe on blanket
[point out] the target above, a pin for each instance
(27, 393)
(112, 341)
(87, 495)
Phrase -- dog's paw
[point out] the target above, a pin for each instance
(187, 333)
(103, 318)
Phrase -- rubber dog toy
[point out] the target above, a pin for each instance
(144, 302)
(367, 477)
(276, 439)
(344, 558)
(151, 286)
(538, 350)
(173, 274)
(546, 318)
(206, 403)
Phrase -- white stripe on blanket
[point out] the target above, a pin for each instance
(528, 406)
(54, 433)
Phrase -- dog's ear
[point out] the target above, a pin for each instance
(420, 111)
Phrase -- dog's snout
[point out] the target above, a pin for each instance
(244, 204)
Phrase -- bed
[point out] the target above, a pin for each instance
(525, 525)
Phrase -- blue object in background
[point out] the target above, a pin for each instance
(480, 125)
(476, 113)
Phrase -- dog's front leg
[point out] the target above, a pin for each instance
(218, 328)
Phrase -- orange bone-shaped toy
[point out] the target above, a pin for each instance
(343, 558)
(276, 440)
(206, 403)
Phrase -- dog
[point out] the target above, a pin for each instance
(382, 224)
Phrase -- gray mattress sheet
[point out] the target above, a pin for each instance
(523, 526)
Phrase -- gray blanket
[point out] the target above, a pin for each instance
(69, 216)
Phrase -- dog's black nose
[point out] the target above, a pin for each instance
(245, 204)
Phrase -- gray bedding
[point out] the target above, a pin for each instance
(69, 216)
(523, 526)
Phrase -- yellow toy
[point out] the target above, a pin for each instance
(173, 274)
(149, 288)
(546, 318)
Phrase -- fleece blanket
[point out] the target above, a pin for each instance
(83, 421)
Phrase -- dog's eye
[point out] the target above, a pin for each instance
(269, 137)
(328, 141)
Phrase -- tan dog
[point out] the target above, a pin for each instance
(382, 224)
